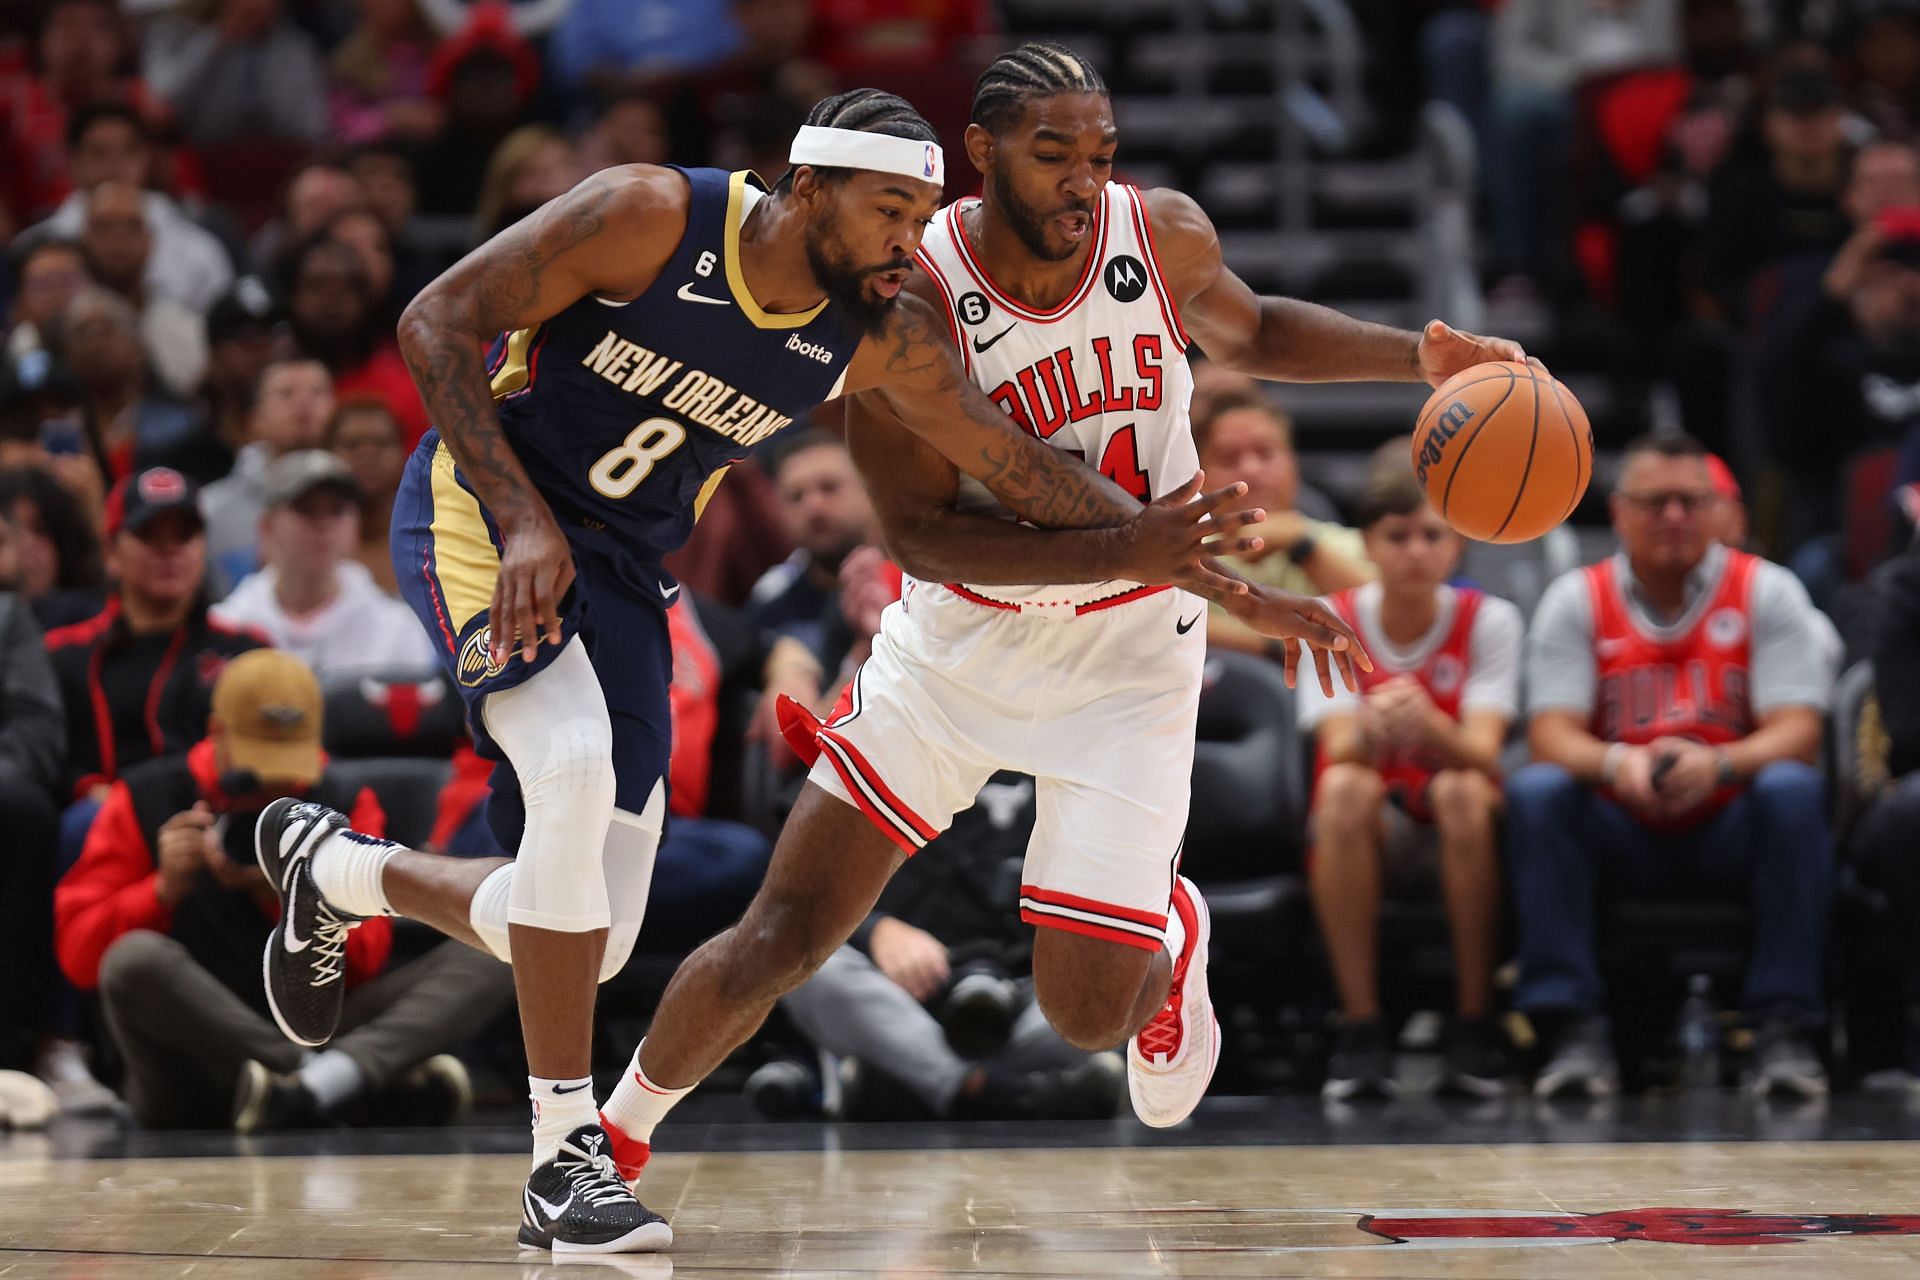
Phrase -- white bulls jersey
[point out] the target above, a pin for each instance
(1103, 375)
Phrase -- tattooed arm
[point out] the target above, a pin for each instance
(611, 235)
(911, 374)
(914, 371)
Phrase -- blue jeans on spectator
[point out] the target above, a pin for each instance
(703, 879)
(75, 821)
(1568, 846)
(1527, 148)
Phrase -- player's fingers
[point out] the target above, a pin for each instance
(1184, 494)
(1290, 661)
(525, 621)
(1243, 546)
(1320, 668)
(1203, 579)
(1218, 498)
(1348, 676)
(499, 620)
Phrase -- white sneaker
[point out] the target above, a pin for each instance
(1171, 1061)
(25, 1101)
(63, 1065)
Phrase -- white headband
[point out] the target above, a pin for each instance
(880, 152)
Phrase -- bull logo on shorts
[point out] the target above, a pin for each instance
(476, 664)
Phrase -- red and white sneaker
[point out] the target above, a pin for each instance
(1171, 1061)
(630, 1155)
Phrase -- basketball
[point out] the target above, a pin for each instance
(1504, 451)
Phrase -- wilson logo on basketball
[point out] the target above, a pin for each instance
(476, 659)
(1444, 428)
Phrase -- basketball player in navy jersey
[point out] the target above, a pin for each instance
(652, 326)
(1072, 300)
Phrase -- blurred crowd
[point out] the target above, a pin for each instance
(214, 211)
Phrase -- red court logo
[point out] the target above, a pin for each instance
(1464, 1228)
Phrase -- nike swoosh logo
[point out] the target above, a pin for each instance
(1184, 627)
(552, 1210)
(294, 946)
(687, 294)
(979, 346)
(577, 1088)
(668, 591)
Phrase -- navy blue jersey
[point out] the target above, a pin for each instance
(626, 415)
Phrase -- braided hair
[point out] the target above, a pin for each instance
(865, 111)
(1034, 70)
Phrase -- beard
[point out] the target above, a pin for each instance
(845, 281)
(1029, 223)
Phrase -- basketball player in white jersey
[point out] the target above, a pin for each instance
(1071, 298)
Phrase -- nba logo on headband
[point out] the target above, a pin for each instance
(879, 152)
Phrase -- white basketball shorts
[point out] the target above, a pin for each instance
(1098, 707)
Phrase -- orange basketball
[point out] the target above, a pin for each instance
(1504, 451)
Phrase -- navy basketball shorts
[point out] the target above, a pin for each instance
(446, 556)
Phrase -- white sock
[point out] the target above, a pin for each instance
(331, 1077)
(559, 1107)
(348, 867)
(638, 1104)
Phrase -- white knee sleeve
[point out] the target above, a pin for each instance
(632, 842)
(487, 913)
(555, 730)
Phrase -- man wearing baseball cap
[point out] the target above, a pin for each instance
(136, 679)
(166, 914)
(310, 596)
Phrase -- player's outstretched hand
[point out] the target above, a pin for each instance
(1172, 537)
(535, 571)
(1445, 351)
(1297, 620)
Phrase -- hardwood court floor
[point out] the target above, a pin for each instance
(1479, 1210)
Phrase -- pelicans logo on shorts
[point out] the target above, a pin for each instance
(476, 664)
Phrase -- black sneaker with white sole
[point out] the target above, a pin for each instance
(578, 1203)
(306, 957)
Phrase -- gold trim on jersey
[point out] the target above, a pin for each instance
(707, 490)
(736, 215)
(464, 557)
(513, 374)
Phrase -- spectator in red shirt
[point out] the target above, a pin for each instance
(166, 913)
(335, 319)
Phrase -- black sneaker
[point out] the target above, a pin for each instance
(265, 1100)
(1362, 1064)
(306, 953)
(435, 1094)
(577, 1203)
(1475, 1058)
(1089, 1091)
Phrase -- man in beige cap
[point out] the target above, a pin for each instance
(166, 914)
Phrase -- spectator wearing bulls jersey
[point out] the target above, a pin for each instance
(1676, 691)
(1407, 783)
